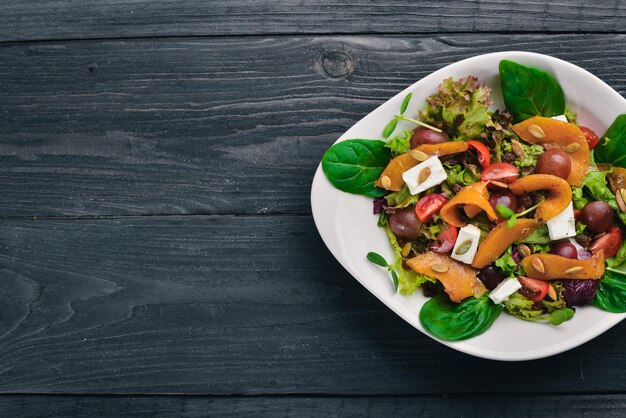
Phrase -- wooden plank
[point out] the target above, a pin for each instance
(214, 126)
(47, 19)
(231, 305)
(521, 406)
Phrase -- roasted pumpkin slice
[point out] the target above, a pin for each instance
(459, 280)
(559, 194)
(474, 196)
(391, 177)
(552, 267)
(500, 238)
(553, 133)
(444, 148)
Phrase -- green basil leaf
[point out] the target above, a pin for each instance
(611, 294)
(529, 91)
(458, 321)
(405, 103)
(354, 165)
(612, 146)
(377, 259)
(391, 126)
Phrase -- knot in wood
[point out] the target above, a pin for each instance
(337, 64)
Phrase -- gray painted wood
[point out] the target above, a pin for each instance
(231, 305)
(46, 19)
(213, 126)
(513, 406)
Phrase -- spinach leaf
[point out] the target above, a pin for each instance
(611, 294)
(529, 91)
(612, 146)
(354, 165)
(458, 321)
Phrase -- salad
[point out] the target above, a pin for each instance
(517, 210)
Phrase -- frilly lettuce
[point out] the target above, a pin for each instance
(401, 198)
(400, 144)
(506, 263)
(408, 280)
(463, 106)
(531, 154)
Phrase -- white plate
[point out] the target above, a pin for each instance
(348, 227)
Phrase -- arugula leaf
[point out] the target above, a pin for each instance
(612, 146)
(354, 165)
(530, 91)
(611, 294)
(458, 321)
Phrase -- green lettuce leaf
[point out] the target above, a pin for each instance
(596, 185)
(408, 280)
(539, 236)
(463, 105)
(460, 175)
(402, 198)
(400, 144)
(531, 154)
(506, 263)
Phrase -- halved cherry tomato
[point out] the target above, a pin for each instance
(484, 157)
(501, 172)
(428, 206)
(590, 136)
(609, 242)
(533, 289)
(445, 240)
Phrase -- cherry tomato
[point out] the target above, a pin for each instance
(533, 289)
(428, 206)
(502, 172)
(590, 136)
(484, 157)
(445, 240)
(609, 242)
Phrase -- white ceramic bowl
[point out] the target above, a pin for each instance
(348, 227)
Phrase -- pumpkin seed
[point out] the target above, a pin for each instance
(536, 131)
(518, 149)
(499, 184)
(419, 155)
(439, 267)
(573, 147)
(463, 247)
(423, 175)
(538, 265)
(406, 249)
(524, 250)
(385, 181)
(619, 196)
(574, 270)
(552, 292)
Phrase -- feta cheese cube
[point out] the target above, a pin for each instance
(562, 225)
(504, 290)
(468, 235)
(437, 175)
(562, 118)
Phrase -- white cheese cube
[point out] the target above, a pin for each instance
(562, 118)
(437, 175)
(504, 290)
(562, 225)
(468, 235)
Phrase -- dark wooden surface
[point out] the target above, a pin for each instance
(157, 253)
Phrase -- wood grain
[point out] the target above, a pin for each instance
(47, 19)
(214, 126)
(516, 406)
(231, 305)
